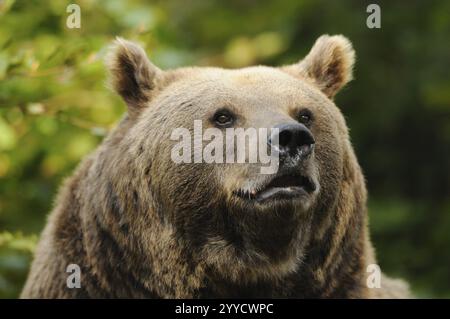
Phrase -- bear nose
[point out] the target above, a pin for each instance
(293, 139)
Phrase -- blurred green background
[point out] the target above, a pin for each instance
(55, 108)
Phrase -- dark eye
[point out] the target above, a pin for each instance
(223, 118)
(305, 117)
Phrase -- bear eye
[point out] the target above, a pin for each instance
(305, 117)
(223, 118)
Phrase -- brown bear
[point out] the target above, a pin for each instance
(140, 225)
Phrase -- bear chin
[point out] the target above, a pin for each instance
(227, 264)
(260, 241)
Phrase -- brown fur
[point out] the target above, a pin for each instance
(140, 225)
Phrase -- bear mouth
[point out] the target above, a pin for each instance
(284, 187)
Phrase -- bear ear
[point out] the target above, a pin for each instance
(329, 64)
(133, 76)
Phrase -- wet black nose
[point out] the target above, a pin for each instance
(293, 139)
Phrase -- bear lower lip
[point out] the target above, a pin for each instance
(280, 193)
(285, 187)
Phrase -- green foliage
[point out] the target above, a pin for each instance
(55, 107)
(15, 255)
(18, 242)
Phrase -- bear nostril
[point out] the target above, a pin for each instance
(305, 138)
(284, 138)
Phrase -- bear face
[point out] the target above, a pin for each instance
(238, 223)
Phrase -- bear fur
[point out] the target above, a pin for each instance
(140, 226)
